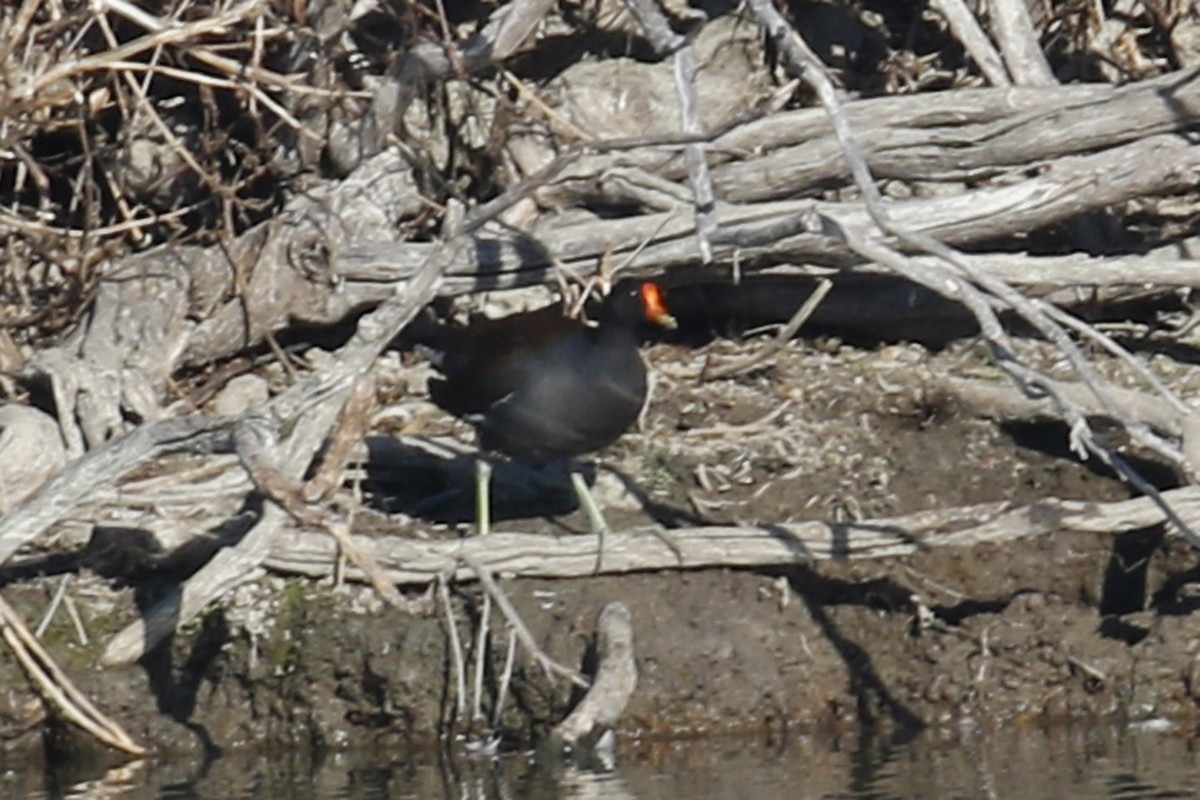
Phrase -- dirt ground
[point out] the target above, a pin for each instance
(1065, 626)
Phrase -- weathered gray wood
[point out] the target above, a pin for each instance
(959, 151)
(1023, 56)
(31, 452)
(103, 467)
(966, 28)
(616, 678)
(650, 242)
(284, 437)
(331, 254)
(412, 561)
(1001, 400)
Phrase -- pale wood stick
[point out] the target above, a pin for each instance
(615, 681)
(57, 687)
(549, 665)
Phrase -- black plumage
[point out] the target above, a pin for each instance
(541, 386)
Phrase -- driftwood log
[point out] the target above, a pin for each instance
(534, 555)
(615, 681)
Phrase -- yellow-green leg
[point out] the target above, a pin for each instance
(595, 518)
(483, 497)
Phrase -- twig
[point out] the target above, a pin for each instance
(352, 427)
(548, 665)
(456, 651)
(965, 27)
(57, 686)
(165, 35)
(665, 41)
(1086, 669)
(18, 27)
(230, 67)
(481, 648)
(780, 341)
(1113, 347)
(483, 522)
(55, 601)
(555, 120)
(77, 621)
(510, 659)
(1019, 43)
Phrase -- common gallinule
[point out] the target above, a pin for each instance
(543, 387)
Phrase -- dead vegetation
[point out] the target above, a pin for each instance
(201, 201)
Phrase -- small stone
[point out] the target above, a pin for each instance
(240, 394)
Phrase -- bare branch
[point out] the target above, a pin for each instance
(409, 561)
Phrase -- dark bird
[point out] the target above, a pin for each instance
(542, 387)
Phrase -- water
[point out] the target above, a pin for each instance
(1095, 762)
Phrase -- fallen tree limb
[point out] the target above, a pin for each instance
(1004, 401)
(413, 561)
(949, 136)
(657, 241)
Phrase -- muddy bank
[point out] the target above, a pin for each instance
(300, 665)
(1064, 626)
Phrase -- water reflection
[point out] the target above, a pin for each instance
(1091, 762)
